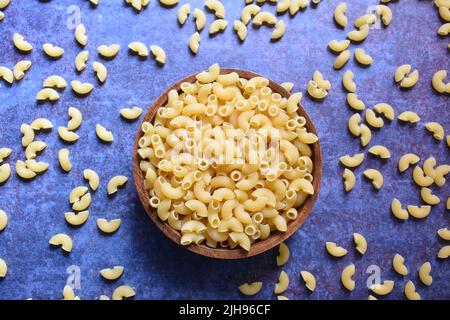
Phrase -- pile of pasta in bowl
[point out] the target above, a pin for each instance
(226, 161)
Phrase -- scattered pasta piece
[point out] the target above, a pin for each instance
(103, 134)
(64, 160)
(354, 124)
(92, 177)
(410, 291)
(183, 13)
(158, 53)
(108, 51)
(112, 274)
(139, 48)
(5, 173)
(67, 135)
(444, 252)
(81, 59)
(361, 243)
(349, 179)
(3, 220)
(47, 94)
(309, 279)
(131, 113)
(338, 45)
(123, 292)
(279, 30)
(419, 212)
(100, 71)
(365, 135)
(20, 68)
(335, 250)
(55, 82)
(23, 171)
(380, 151)
(217, 7)
(76, 219)
(354, 102)
(62, 240)
(438, 81)
(360, 34)
(80, 35)
(375, 176)
(428, 197)
(409, 116)
(115, 183)
(385, 13)
(315, 91)
(346, 277)
(407, 160)
(386, 110)
(352, 161)
(21, 44)
(53, 51)
(399, 265)
(218, 25)
(6, 74)
(250, 289)
(194, 42)
(436, 129)
(283, 254)
(264, 17)
(241, 29)
(339, 14)
(3, 268)
(342, 59)
(424, 274)
(383, 289)
(282, 284)
(200, 19)
(81, 88)
(405, 77)
(373, 120)
(420, 178)
(108, 226)
(348, 83)
(362, 57)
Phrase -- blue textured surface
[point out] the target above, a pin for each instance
(155, 266)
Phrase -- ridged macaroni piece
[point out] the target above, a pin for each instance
(339, 14)
(279, 30)
(383, 288)
(241, 29)
(407, 160)
(315, 91)
(139, 48)
(360, 242)
(349, 179)
(283, 6)
(108, 226)
(123, 292)
(420, 178)
(103, 134)
(346, 277)
(217, 7)
(6, 74)
(4, 3)
(5, 172)
(444, 252)
(21, 44)
(52, 51)
(183, 13)
(3, 220)
(23, 171)
(76, 118)
(368, 18)
(282, 284)
(335, 250)
(398, 263)
(409, 116)
(250, 289)
(440, 173)
(248, 12)
(438, 82)
(419, 212)
(338, 45)
(354, 102)
(55, 82)
(131, 113)
(67, 135)
(428, 197)
(169, 2)
(436, 129)
(68, 293)
(347, 82)
(444, 29)
(100, 71)
(108, 51)
(375, 176)
(444, 12)
(47, 94)
(81, 59)
(4, 153)
(287, 86)
(380, 151)
(28, 134)
(385, 13)
(354, 124)
(77, 193)
(280, 297)
(76, 219)
(81, 88)
(386, 110)
(207, 197)
(342, 59)
(2, 15)
(194, 42)
(80, 35)
(424, 274)
(296, 5)
(33, 148)
(309, 279)
(112, 274)
(362, 57)
(158, 53)
(410, 291)
(116, 182)
(283, 254)
(321, 82)
(405, 77)
(264, 17)
(3, 268)
(92, 177)
(218, 25)
(352, 161)
(360, 34)
(365, 135)
(20, 68)
(200, 19)
(444, 233)
(62, 240)
(64, 160)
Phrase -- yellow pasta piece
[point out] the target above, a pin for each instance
(200, 19)
(352, 161)
(419, 212)
(342, 59)
(398, 263)
(444, 233)
(3, 268)
(3, 220)
(424, 274)
(183, 13)
(339, 14)
(354, 102)
(386, 110)
(100, 71)
(53, 51)
(360, 34)
(361, 243)
(309, 279)
(282, 284)
(21, 44)
(81, 88)
(444, 252)
(383, 288)
(103, 134)
(76, 219)
(250, 289)
(410, 291)
(20, 68)
(428, 197)
(375, 176)
(108, 226)
(123, 292)
(6, 74)
(116, 182)
(47, 94)
(283, 254)
(108, 51)
(346, 277)
(217, 7)
(338, 45)
(409, 116)
(362, 57)
(80, 35)
(380, 151)
(335, 250)
(139, 48)
(349, 179)
(436, 129)
(62, 240)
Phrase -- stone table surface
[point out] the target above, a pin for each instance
(158, 268)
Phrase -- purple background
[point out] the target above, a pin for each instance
(155, 266)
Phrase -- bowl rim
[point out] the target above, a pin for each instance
(258, 247)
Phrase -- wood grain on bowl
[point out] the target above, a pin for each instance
(258, 246)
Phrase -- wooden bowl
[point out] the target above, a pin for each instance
(259, 246)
